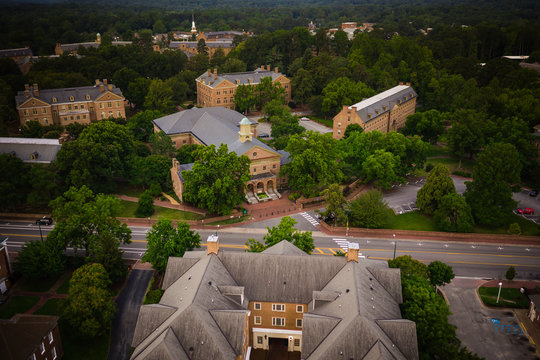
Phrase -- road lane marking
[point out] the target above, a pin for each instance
(319, 250)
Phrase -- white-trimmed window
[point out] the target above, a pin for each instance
(42, 347)
(87, 97)
(258, 320)
(278, 307)
(299, 323)
(44, 110)
(25, 112)
(297, 342)
(257, 306)
(54, 100)
(299, 308)
(259, 340)
(71, 98)
(53, 353)
(277, 321)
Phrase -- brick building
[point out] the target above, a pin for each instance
(69, 105)
(216, 126)
(30, 337)
(190, 47)
(5, 266)
(383, 112)
(74, 47)
(215, 89)
(240, 305)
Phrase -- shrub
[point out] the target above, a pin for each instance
(514, 229)
(429, 167)
(294, 196)
(462, 173)
(146, 205)
(510, 273)
(155, 190)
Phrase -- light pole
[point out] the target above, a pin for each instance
(217, 229)
(498, 295)
(40, 233)
(395, 245)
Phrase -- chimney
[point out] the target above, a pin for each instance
(352, 252)
(400, 83)
(212, 245)
(408, 84)
(36, 90)
(175, 165)
(267, 67)
(215, 73)
(101, 88)
(237, 81)
(208, 72)
(97, 82)
(105, 81)
(276, 70)
(250, 80)
(262, 67)
(26, 91)
(110, 87)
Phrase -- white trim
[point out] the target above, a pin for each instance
(278, 331)
(248, 352)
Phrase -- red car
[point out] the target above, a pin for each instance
(525, 211)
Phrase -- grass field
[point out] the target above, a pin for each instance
(129, 208)
(326, 122)
(38, 285)
(17, 305)
(527, 227)
(510, 297)
(130, 190)
(83, 349)
(51, 307)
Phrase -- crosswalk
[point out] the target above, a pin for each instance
(309, 218)
(342, 243)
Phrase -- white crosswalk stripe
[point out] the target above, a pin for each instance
(309, 218)
(342, 243)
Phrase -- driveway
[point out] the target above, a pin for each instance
(490, 333)
(314, 126)
(128, 303)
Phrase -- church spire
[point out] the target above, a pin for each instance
(193, 28)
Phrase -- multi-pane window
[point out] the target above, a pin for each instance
(257, 306)
(34, 111)
(259, 339)
(278, 307)
(258, 320)
(299, 308)
(109, 104)
(44, 110)
(278, 321)
(299, 323)
(296, 342)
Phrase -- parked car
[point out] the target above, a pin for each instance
(525, 211)
(264, 135)
(533, 193)
(44, 221)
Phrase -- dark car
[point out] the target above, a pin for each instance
(264, 135)
(44, 221)
(533, 193)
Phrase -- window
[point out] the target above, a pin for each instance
(339, 124)
(34, 111)
(348, 118)
(42, 347)
(257, 306)
(254, 154)
(76, 107)
(299, 308)
(225, 100)
(102, 115)
(53, 99)
(44, 110)
(118, 104)
(69, 107)
(78, 117)
(63, 107)
(299, 323)
(184, 141)
(118, 114)
(278, 321)
(84, 116)
(217, 92)
(46, 120)
(25, 112)
(259, 340)
(274, 166)
(339, 131)
(219, 101)
(101, 105)
(254, 169)
(278, 307)
(297, 342)
(109, 104)
(82, 106)
(50, 337)
(53, 353)
(71, 98)
(71, 118)
(87, 97)
(258, 320)
(264, 167)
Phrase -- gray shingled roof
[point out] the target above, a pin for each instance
(62, 95)
(212, 126)
(383, 102)
(26, 51)
(93, 44)
(242, 77)
(225, 43)
(44, 150)
(228, 32)
(284, 247)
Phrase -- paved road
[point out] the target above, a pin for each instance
(481, 260)
(128, 303)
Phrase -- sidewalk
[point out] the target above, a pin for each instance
(166, 204)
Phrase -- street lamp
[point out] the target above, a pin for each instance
(395, 245)
(40, 233)
(217, 229)
(500, 285)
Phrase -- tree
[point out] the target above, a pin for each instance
(186, 153)
(75, 130)
(162, 144)
(106, 252)
(352, 128)
(153, 169)
(343, 91)
(429, 125)
(13, 188)
(217, 179)
(82, 216)
(267, 91)
(440, 273)
(438, 184)
(44, 184)
(382, 167)
(453, 214)
(303, 86)
(514, 229)
(137, 91)
(160, 97)
(369, 210)
(335, 203)
(284, 231)
(141, 125)
(145, 205)
(41, 259)
(232, 65)
(510, 273)
(201, 47)
(409, 266)
(490, 193)
(165, 241)
(244, 98)
(467, 134)
(89, 307)
(314, 162)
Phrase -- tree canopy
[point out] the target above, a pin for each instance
(284, 231)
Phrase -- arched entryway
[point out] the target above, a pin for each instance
(260, 187)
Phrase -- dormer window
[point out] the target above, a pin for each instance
(53, 99)
(34, 155)
(87, 97)
(71, 98)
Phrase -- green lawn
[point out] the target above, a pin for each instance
(64, 288)
(510, 297)
(17, 305)
(129, 208)
(326, 122)
(51, 307)
(413, 220)
(527, 227)
(130, 190)
(83, 349)
(38, 285)
(452, 163)
(437, 150)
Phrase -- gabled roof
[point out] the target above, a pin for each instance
(93, 44)
(223, 43)
(383, 102)
(239, 77)
(62, 95)
(26, 51)
(31, 150)
(284, 247)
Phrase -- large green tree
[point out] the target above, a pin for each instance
(141, 125)
(453, 214)
(106, 252)
(440, 273)
(369, 210)
(160, 97)
(382, 167)
(284, 231)
(467, 134)
(244, 98)
(335, 203)
(164, 241)
(217, 179)
(153, 169)
(490, 192)
(438, 184)
(343, 91)
(41, 259)
(89, 307)
(429, 125)
(15, 186)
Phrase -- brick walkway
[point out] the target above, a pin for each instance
(271, 209)
(166, 204)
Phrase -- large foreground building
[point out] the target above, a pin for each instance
(215, 89)
(69, 105)
(384, 112)
(237, 305)
(216, 126)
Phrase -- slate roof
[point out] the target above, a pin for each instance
(6, 53)
(242, 77)
(23, 148)
(196, 319)
(375, 105)
(62, 95)
(93, 44)
(21, 335)
(224, 43)
(230, 32)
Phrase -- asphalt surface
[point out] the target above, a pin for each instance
(467, 259)
(128, 304)
(490, 333)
